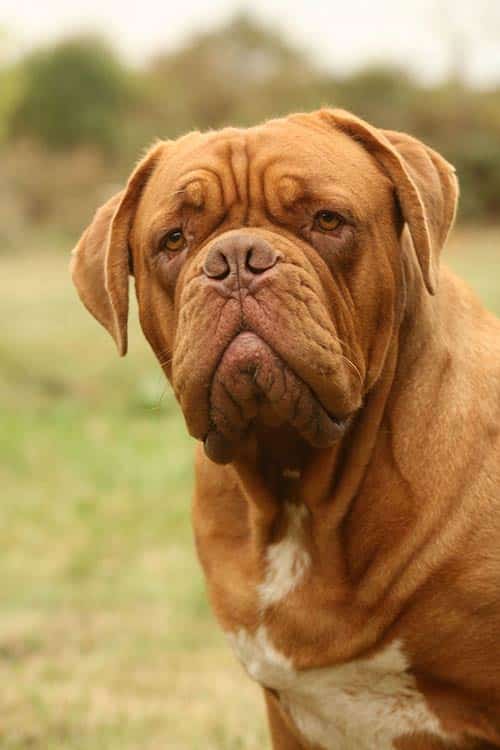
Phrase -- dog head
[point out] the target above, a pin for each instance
(268, 267)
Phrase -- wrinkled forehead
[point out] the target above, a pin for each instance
(306, 157)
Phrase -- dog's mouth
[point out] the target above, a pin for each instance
(251, 385)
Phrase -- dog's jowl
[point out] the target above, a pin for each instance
(344, 387)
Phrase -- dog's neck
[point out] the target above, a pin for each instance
(278, 463)
(374, 499)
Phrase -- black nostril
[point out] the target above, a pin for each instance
(216, 265)
(260, 257)
(238, 257)
(248, 260)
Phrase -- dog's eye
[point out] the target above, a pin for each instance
(327, 221)
(173, 241)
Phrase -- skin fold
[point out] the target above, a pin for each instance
(344, 388)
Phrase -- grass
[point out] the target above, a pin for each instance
(106, 638)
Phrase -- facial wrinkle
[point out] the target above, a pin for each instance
(238, 160)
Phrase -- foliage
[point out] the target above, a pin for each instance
(10, 93)
(73, 93)
(56, 188)
(235, 75)
(76, 107)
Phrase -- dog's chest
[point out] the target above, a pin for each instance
(361, 704)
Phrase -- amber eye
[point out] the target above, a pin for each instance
(174, 241)
(328, 221)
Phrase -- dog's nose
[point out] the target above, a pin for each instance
(241, 257)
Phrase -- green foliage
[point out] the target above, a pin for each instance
(383, 95)
(10, 93)
(75, 106)
(235, 75)
(73, 93)
(41, 188)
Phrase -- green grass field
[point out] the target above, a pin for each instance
(106, 638)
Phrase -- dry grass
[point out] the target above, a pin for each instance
(106, 639)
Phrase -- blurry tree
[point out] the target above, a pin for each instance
(382, 94)
(236, 74)
(9, 92)
(73, 93)
(10, 86)
(78, 99)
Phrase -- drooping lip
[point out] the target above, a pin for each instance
(250, 378)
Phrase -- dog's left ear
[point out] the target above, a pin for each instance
(100, 262)
(425, 183)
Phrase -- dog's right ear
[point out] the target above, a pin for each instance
(100, 262)
(425, 185)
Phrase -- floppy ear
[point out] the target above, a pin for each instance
(425, 183)
(100, 262)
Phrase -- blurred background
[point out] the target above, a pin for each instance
(106, 639)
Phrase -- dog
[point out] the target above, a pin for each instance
(345, 390)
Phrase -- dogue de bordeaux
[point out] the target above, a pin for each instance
(345, 390)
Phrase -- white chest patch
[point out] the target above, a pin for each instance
(286, 561)
(360, 705)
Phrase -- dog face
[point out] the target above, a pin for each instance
(269, 267)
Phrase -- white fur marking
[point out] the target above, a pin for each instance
(360, 705)
(260, 659)
(286, 561)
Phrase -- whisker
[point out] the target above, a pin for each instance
(165, 362)
(345, 345)
(353, 367)
(162, 396)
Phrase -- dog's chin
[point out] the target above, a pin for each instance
(253, 386)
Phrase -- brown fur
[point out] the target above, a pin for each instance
(404, 526)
